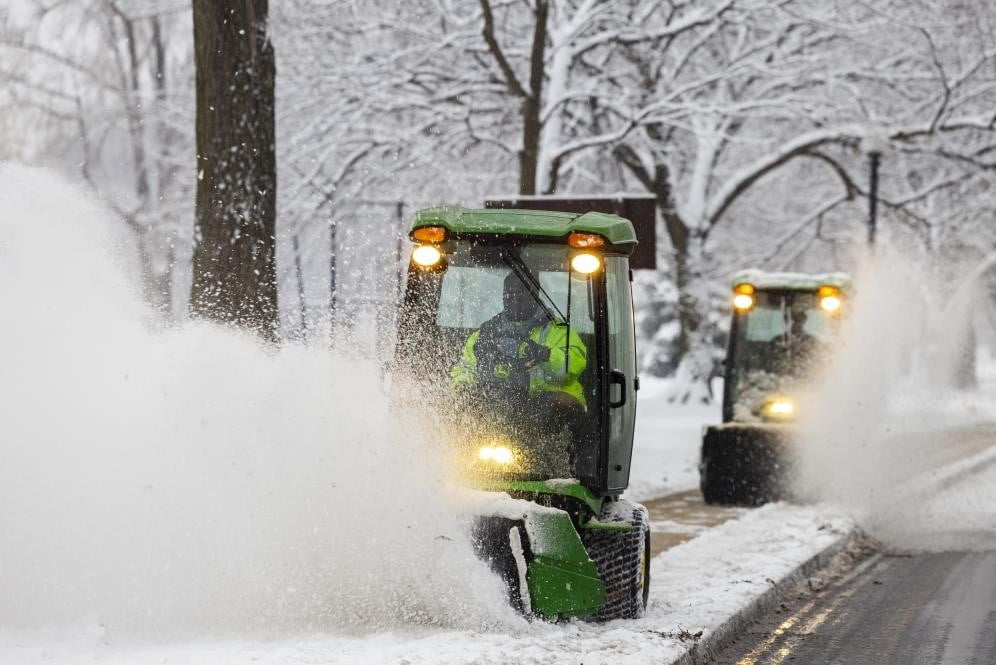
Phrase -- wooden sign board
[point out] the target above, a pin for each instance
(640, 209)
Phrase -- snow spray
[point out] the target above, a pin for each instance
(191, 480)
(887, 406)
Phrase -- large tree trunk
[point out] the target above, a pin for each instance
(234, 278)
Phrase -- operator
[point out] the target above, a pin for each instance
(521, 348)
(799, 347)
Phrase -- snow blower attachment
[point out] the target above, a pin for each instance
(783, 328)
(519, 326)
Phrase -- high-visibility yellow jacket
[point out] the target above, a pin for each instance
(548, 376)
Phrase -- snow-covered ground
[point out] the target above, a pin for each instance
(696, 586)
(667, 441)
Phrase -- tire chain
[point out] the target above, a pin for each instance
(617, 555)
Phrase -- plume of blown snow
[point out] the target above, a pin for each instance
(192, 480)
(889, 402)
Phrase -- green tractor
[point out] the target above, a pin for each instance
(783, 329)
(518, 325)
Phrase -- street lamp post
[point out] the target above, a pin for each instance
(333, 281)
(874, 145)
(876, 159)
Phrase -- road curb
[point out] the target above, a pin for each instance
(717, 639)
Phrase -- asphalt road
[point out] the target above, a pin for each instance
(914, 604)
(935, 608)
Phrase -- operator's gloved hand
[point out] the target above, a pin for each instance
(507, 347)
(535, 353)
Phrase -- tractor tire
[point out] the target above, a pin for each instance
(717, 490)
(744, 466)
(622, 559)
(732, 487)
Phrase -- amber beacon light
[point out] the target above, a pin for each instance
(585, 240)
(429, 234)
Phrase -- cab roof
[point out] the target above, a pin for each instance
(618, 231)
(791, 281)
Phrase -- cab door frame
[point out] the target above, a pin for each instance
(618, 379)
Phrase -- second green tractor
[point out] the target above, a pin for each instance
(783, 330)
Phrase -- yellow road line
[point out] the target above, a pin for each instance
(809, 626)
(776, 634)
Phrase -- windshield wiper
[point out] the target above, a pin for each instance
(532, 285)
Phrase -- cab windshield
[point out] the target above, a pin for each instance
(521, 380)
(472, 285)
(777, 346)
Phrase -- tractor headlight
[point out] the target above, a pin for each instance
(502, 455)
(830, 303)
(586, 263)
(427, 256)
(778, 408)
(831, 299)
(742, 301)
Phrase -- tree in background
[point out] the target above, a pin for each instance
(102, 89)
(766, 91)
(234, 263)
(568, 103)
(745, 117)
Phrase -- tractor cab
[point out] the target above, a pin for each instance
(517, 326)
(783, 329)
